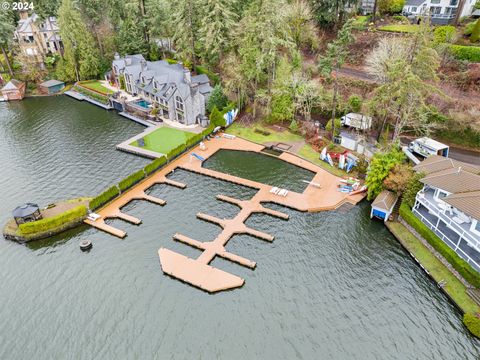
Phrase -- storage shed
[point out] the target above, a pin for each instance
(51, 86)
(383, 205)
(13, 90)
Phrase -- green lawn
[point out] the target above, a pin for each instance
(361, 22)
(164, 139)
(250, 134)
(96, 86)
(307, 152)
(399, 28)
(439, 272)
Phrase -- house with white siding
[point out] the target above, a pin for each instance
(171, 88)
(449, 204)
(440, 11)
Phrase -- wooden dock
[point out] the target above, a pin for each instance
(198, 272)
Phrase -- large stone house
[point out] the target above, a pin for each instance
(170, 88)
(440, 11)
(449, 204)
(37, 38)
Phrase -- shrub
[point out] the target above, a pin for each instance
(469, 28)
(122, 81)
(171, 61)
(294, 126)
(176, 151)
(338, 125)
(413, 187)
(475, 32)
(216, 99)
(390, 6)
(443, 34)
(469, 53)
(469, 274)
(380, 166)
(355, 103)
(131, 180)
(104, 197)
(472, 322)
(51, 223)
(216, 117)
(155, 165)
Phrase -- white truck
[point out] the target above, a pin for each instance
(357, 121)
(426, 147)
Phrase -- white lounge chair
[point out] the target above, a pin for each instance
(93, 217)
(274, 190)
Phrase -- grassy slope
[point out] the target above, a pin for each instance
(165, 139)
(438, 271)
(286, 136)
(96, 86)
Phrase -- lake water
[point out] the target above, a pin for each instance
(333, 285)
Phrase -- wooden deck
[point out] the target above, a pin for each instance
(198, 272)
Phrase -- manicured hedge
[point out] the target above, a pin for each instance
(104, 197)
(44, 225)
(451, 256)
(472, 322)
(469, 53)
(155, 165)
(131, 180)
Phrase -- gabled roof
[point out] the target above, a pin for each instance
(468, 203)
(12, 85)
(385, 200)
(437, 163)
(50, 83)
(454, 180)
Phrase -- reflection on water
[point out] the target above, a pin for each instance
(332, 285)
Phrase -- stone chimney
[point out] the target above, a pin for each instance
(143, 64)
(23, 15)
(116, 56)
(187, 76)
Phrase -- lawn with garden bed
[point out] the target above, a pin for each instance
(95, 85)
(164, 139)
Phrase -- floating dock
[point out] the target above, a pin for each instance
(198, 272)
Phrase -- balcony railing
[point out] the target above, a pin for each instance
(439, 212)
(446, 240)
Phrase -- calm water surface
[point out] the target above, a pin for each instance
(332, 285)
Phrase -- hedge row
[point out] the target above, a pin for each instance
(155, 165)
(131, 180)
(104, 197)
(472, 322)
(53, 222)
(469, 53)
(91, 94)
(451, 256)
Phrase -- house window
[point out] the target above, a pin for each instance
(453, 2)
(434, 2)
(413, 9)
(180, 117)
(178, 103)
(436, 10)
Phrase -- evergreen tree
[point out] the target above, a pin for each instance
(81, 57)
(7, 28)
(186, 17)
(331, 12)
(216, 28)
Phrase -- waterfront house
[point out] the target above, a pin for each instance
(13, 90)
(38, 38)
(449, 204)
(382, 206)
(440, 11)
(171, 88)
(51, 86)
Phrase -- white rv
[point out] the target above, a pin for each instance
(427, 147)
(357, 121)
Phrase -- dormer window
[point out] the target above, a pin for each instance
(179, 103)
